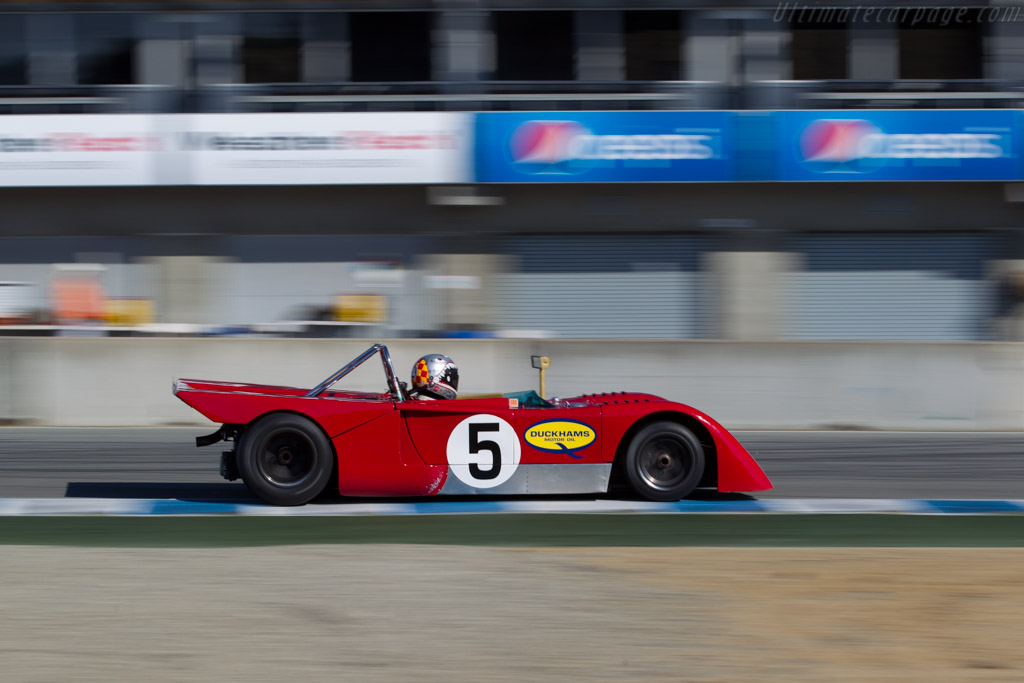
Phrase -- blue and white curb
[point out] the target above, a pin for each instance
(13, 507)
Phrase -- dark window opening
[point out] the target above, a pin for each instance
(534, 46)
(106, 49)
(391, 46)
(271, 48)
(819, 50)
(13, 61)
(929, 50)
(653, 42)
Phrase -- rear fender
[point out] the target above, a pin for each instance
(335, 416)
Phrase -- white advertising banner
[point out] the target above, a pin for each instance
(78, 149)
(317, 149)
(235, 149)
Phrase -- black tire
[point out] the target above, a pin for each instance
(285, 459)
(664, 461)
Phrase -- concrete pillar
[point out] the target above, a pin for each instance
(874, 52)
(765, 50)
(188, 289)
(326, 48)
(461, 287)
(711, 48)
(1007, 276)
(464, 50)
(600, 50)
(161, 62)
(217, 50)
(748, 292)
(1004, 48)
(50, 43)
(161, 51)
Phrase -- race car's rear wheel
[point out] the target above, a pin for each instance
(285, 459)
(664, 461)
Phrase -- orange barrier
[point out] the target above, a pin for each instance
(78, 299)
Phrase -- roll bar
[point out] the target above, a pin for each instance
(389, 371)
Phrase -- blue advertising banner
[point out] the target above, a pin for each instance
(616, 147)
(897, 145)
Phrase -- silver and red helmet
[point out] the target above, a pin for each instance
(435, 376)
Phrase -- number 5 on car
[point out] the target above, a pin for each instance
(483, 451)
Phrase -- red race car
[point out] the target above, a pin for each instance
(290, 443)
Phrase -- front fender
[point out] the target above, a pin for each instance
(737, 469)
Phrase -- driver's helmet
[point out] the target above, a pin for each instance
(435, 376)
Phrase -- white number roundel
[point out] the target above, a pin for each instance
(483, 451)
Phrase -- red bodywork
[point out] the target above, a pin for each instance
(398, 448)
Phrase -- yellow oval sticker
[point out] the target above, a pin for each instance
(560, 436)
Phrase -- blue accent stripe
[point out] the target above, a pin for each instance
(10, 507)
(185, 507)
(718, 506)
(443, 507)
(975, 506)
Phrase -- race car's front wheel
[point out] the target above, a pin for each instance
(285, 459)
(664, 461)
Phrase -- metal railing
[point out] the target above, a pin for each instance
(466, 96)
(887, 94)
(512, 96)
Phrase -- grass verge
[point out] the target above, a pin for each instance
(523, 530)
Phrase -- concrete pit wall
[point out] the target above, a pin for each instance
(745, 385)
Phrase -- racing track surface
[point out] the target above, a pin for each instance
(164, 463)
(400, 609)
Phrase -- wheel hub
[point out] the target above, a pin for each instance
(664, 462)
(287, 458)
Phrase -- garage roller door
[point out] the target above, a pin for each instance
(643, 287)
(914, 287)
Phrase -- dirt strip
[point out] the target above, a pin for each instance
(444, 613)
